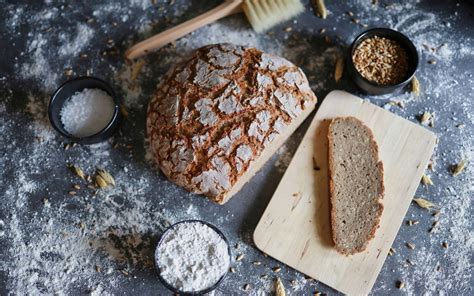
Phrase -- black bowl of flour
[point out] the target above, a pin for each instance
(192, 257)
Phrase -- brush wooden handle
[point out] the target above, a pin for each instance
(153, 43)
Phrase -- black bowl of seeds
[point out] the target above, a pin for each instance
(382, 61)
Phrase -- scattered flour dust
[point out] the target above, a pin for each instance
(38, 67)
(78, 41)
(99, 239)
(192, 257)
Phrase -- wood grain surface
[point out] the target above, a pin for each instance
(295, 226)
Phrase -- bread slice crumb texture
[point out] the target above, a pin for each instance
(355, 183)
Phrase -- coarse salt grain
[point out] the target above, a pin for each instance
(87, 112)
(192, 257)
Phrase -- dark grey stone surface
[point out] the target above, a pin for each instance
(33, 58)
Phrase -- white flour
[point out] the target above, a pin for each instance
(192, 257)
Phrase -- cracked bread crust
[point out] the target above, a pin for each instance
(356, 185)
(214, 113)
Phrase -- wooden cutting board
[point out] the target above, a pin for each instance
(295, 227)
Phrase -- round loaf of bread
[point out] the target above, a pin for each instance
(219, 115)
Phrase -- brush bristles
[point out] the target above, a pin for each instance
(264, 14)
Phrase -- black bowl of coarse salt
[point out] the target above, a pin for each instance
(85, 110)
(382, 61)
(192, 257)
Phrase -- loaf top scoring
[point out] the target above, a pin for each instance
(214, 113)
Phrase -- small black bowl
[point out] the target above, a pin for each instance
(68, 89)
(372, 87)
(176, 290)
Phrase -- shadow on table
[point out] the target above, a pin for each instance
(130, 251)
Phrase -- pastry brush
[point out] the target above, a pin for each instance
(262, 15)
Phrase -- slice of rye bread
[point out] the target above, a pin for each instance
(356, 184)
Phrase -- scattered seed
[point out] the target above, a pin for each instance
(431, 165)
(320, 8)
(277, 269)
(391, 252)
(264, 276)
(322, 31)
(317, 294)
(433, 226)
(412, 222)
(430, 48)
(246, 287)
(106, 176)
(410, 246)
(288, 29)
(425, 117)
(445, 245)
(425, 204)
(256, 263)
(279, 288)
(68, 72)
(438, 268)
(400, 285)
(415, 86)
(97, 268)
(72, 192)
(355, 21)
(67, 146)
(76, 186)
(432, 62)
(78, 171)
(459, 167)
(338, 68)
(426, 180)
(240, 257)
(124, 272)
(232, 269)
(101, 183)
(400, 104)
(91, 186)
(410, 262)
(436, 213)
